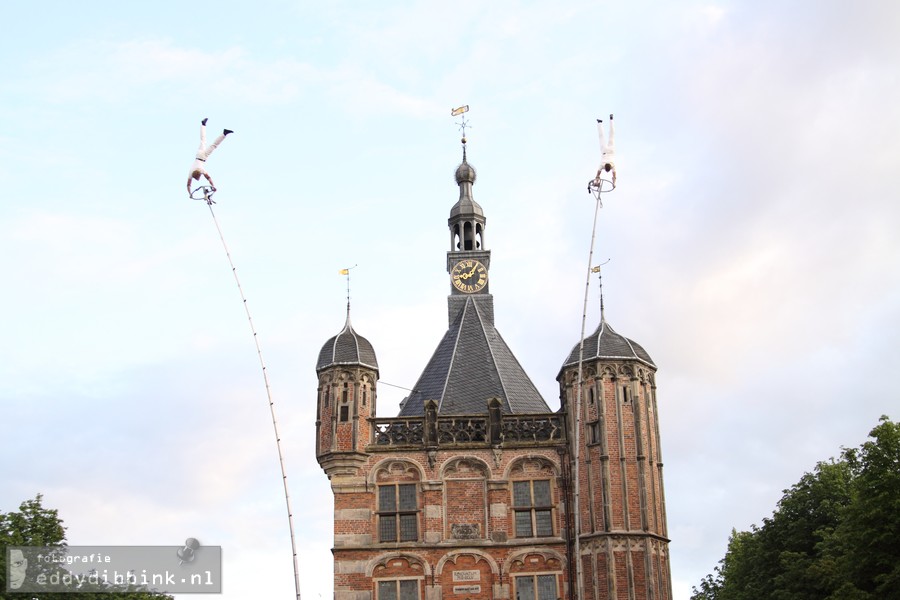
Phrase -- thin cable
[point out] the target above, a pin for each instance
(396, 386)
(576, 452)
(287, 498)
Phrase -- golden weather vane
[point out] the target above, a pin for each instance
(463, 123)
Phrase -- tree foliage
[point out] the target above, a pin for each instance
(834, 535)
(34, 525)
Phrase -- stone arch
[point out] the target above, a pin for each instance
(531, 462)
(548, 554)
(396, 468)
(382, 560)
(459, 465)
(479, 555)
(588, 372)
(346, 376)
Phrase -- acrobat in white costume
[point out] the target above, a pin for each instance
(608, 151)
(203, 152)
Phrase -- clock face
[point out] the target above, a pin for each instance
(469, 276)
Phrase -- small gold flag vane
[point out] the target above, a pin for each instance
(463, 124)
(595, 269)
(345, 271)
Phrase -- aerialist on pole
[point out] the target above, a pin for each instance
(203, 152)
(607, 155)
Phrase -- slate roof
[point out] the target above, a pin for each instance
(471, 364)
(611, 346)
(347, 348)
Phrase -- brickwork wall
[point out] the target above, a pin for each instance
(620, 479)
(622, 509)
(464, 504)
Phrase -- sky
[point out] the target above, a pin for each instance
(752, 241)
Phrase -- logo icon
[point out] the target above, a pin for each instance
(186, 554)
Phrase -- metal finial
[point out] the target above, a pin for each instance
(347, 273)
(600, 278)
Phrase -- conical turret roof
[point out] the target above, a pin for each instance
(347, 348)
(605, 343)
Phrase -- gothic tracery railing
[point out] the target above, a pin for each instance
(467, 429)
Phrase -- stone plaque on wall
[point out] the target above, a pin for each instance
(465, 531)
(466, 589)
(466, 575)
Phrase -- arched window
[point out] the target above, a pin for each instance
(533, 508)
(398, 512)
(536, 587)
(399, 589)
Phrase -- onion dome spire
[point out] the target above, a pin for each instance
(467, 221)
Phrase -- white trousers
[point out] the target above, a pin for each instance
(203, 151)
(607, 148)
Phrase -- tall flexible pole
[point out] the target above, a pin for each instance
(262, 364)
(577, 449)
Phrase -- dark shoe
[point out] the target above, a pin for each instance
(610, 116)
(203, 122)
(227, 131)
(599, 120)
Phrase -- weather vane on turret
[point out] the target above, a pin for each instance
(346, 272)
(456, 112)
(596, 270)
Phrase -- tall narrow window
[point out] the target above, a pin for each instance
(397, 513)
(533, 508)
(403, 589)
(345, 413)
(594, 432)
(536, 587)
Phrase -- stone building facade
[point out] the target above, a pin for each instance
(470, 492)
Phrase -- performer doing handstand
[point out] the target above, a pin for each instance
(607, 153)
(203, 152)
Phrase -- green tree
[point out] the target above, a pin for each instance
(866, 543)
(833, 535)
(34, 525)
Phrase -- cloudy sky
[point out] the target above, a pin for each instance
(753, 241)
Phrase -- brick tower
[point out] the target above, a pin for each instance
(348, 374)
(466, 494)
(623, 538)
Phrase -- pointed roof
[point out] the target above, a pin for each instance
(347, 348)
(605, 343)
(472, 364)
